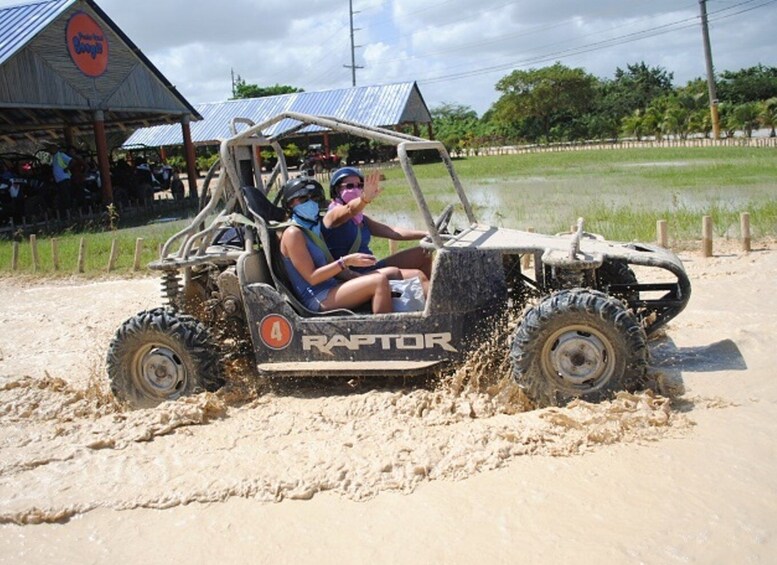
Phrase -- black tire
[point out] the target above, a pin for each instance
(578, 343)
(177, 189)
(177, 346)
(617, 272)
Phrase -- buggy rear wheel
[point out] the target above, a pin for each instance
(160, 355)
(578, 343)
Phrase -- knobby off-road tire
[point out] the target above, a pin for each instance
(160, 355)
(617, 272)
(578, 343)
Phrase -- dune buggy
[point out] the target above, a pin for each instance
(583, 316)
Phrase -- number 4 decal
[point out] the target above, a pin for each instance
(275, 331)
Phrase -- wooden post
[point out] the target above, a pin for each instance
(15, 256)
(55, 253)
(393, 246)
(663, 238)
(114, 253)
(138, 251)
(526, 260)
(34, 247)
(81, 255)
(103, 157)
(191, 158)
(744, 222)
(706, 236)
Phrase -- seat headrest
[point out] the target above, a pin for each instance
(261, 206)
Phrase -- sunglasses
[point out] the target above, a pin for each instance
(305, 197)
(352, 185)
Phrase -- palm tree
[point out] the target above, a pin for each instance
(768, 115)
(632, 125)
(746, 117)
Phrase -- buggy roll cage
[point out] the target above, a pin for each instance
(194, 239)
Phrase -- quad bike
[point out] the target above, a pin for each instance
(317, 160)
(583, 315)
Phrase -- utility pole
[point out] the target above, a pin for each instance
(353, 65)
(710, 71)
(234, 84)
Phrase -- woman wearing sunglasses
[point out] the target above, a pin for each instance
(347, 229)
(320, 281)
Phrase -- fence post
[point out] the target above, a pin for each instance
(138, 251)
(15, 256)
(663, 238)
(393, 246)
(526, 260)
(706, 236)
(114, 253)
(55, 253)
(81, 255)
(34, 248)
(744, 222)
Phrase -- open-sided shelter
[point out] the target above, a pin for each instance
(66, 69)
(387, 105)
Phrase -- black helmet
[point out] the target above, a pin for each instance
(300, 186)
(339, 175)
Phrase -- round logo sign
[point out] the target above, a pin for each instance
(276, 331)
(87, 44)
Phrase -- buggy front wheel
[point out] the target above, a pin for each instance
(160, 355)
(578, 343)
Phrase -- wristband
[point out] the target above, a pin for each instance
(365, 200)
(341, 262)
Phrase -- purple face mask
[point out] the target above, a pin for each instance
(348, 194)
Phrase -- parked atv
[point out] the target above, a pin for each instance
(317, 160)
(583, 315)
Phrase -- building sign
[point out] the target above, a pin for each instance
(87, 44)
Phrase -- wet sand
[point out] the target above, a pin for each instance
(391, 472)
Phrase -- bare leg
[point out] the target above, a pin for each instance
(352, 293)
(413, 258)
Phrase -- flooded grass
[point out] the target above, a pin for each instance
(620, 193)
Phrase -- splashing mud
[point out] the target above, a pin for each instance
(67, 451)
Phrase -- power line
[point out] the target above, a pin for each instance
(598, 45)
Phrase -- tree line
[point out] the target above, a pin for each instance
(562, 104)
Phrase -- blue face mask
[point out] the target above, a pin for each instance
(307, 211)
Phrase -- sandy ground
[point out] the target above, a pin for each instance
(393, 473)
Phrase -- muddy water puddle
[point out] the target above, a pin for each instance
(69, 450)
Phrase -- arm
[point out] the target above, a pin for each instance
(294, 246)
(379, 229)
(341, 213)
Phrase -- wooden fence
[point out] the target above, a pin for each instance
(57, 222)
(662, 239)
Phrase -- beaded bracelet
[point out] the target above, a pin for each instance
(341, 262)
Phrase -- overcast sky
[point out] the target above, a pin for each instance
(456, 49)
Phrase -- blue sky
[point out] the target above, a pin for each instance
(456, 49)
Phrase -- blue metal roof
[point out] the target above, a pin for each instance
(20, 24)
(380, 105)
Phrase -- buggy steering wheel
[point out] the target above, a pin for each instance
(441, 224)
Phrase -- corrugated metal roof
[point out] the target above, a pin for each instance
(19, 24)
(380, 105)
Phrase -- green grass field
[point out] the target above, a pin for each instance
(620, 193)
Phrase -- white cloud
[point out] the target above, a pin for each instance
(307, 44)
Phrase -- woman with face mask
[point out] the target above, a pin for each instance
(348, 229)
(320, 281)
